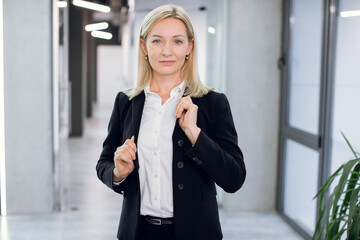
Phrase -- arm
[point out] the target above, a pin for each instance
(105, 167)
(219, 156)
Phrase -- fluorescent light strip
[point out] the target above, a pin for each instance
(61, 4)
(100, 34)
(211, 30)
(92, 6)
(96, 26)
(2, 117)
(355, 13)
(4, 229)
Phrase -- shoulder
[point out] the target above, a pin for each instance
(122, 96)
(213, 98)
(122, 102)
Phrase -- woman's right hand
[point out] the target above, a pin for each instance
(123, 159)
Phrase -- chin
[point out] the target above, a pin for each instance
(167, 71)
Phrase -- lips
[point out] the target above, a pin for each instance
(167, 62)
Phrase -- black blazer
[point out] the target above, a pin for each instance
(215, 158)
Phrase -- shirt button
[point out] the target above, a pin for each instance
(180, 164)
(180, 143)
(195, 159)
(180, 186)
(154, 153)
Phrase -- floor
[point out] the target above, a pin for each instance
(90, 211)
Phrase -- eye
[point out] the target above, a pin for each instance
(156, 41)
(178, 41)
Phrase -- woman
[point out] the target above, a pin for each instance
(170, 140)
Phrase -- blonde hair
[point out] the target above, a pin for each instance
(195, 88)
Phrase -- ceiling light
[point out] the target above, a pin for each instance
(355, 13)
(96, 26)
(100, 34)
(61, 4)
(211, 30)
(92, 6)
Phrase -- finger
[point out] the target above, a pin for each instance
(130, 150)
(179, 110)
(188, 99)
(124, 155)
(131, 143)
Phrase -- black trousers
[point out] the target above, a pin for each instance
(156, 232)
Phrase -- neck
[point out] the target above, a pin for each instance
(164, 84)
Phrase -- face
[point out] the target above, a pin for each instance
(167, 45)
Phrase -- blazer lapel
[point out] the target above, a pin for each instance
(137, 109)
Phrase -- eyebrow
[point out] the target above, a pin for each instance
(162, 37)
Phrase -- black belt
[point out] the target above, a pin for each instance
(157, 221)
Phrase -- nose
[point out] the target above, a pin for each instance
(166, 51)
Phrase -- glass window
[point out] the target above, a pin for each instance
(305, 64)
(301, 178)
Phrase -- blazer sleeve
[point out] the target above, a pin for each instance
(105, 164)
(220, 156)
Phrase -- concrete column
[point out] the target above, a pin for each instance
(91, 70)
(253, 89)
(77, 71)
(28, 106)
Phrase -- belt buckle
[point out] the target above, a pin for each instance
(156, 222)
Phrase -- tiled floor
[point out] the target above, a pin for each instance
(91, 210)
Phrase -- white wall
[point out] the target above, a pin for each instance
(28, 106)
(111, 76)
(253, 89)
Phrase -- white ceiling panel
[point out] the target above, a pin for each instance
(148, 5)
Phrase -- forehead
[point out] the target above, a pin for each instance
(169, 27)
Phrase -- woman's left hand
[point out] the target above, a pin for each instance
(186, 111)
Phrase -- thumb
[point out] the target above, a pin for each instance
(132, 138)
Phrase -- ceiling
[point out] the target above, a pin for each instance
(148, 5)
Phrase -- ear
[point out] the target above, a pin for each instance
(190, 47)
(143, 46)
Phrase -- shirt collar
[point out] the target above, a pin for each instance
(176, 90)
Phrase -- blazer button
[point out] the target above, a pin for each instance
(197, 160)
(180, 164)
(180, 143)
(180, 186)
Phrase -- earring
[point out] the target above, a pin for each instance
(146, 57)
(187, 57)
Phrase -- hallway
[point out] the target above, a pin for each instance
(91, 210)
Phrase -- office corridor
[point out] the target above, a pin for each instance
(91, 211)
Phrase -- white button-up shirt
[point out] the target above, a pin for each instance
(155, 153)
